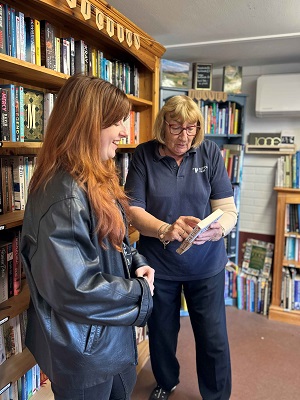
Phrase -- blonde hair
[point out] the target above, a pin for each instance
(84, 106)
(181, 108)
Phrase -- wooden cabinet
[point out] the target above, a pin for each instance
(285, 196)
(66, 17)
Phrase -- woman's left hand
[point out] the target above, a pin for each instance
(148, 273)
(212, 234)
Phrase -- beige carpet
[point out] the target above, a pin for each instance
(265, 359)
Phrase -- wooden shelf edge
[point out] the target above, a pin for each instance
(288, 316)
(15, 367)
(143, 350)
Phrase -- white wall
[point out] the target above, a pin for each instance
(258, 199)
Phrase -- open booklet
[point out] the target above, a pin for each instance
(201, 227)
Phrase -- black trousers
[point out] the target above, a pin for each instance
(205, 301)
(118, 387)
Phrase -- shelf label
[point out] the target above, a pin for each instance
(3, 320)
(5, 388)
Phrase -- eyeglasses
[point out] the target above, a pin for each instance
(175, 129)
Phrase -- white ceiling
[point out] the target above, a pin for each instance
(220, 32)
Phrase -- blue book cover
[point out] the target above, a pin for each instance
(13, 32)
(7, 29)
(12, 108)
(30, 46)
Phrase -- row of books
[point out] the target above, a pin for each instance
(288, 171)
(15, 175)
(12, 336)
(141, 333)
(24, 113)
(290, 289)
(253, 293)
(292, 249)
(26, 386)
(292, 218)
(10, 265)
(132, 125)
(220, 118)
(233, 155)
(122, 161)
(36, 41)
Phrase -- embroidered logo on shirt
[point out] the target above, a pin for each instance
(200, 169)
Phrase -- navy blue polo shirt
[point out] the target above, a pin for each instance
(157, 184)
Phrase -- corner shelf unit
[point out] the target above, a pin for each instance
(70, 22)
(285, 196)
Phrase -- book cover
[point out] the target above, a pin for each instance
(29, 42)
(5, 116)
(79, 57)
(258, 258)
(11, 90)
(17, 164)
(201, 227)
(8, 38)
(3, 274)
(2, 345)
(33, 115)
(37, 41)
(7, 185)
(48, 58)
(48, 106)
(175, 74)
(232, 79)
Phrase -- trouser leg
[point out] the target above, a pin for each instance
(164, 325)
(205, 301)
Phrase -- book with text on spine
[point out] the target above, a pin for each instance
(201, 227)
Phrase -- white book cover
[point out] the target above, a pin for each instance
(201, 227)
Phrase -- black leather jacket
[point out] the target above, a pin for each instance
(84, 305)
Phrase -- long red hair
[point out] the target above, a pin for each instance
(84, 106)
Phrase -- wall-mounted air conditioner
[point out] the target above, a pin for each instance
(278, 95)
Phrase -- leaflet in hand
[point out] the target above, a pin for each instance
(201, 227)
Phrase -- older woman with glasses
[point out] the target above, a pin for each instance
(174, 181)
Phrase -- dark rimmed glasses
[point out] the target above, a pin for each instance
(176, 129)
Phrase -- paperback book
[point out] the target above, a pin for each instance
(201, 227)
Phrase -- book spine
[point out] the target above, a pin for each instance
(2, 29)
(5, 117)
(21, 108)
(3, 274)
(17, 112)
(10, 269)
(37, 41)
(30, 42)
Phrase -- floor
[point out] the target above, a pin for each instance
(265, 359)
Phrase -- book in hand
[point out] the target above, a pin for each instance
(201, 227)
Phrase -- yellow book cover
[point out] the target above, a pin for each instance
(57, 54)
(37, 41)
(236, 122)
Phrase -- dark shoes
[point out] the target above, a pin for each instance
(160, 393)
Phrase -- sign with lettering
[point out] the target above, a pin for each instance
(202, 76)
(264, 139)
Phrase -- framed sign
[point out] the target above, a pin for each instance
(202, 76)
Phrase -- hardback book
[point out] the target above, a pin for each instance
(33, 115)
(17, 164)
(79, 57)
(7, 185)
(3, 273)
(2, 29)
(65, 56)
(57, 54)
(8, 38)
(258, 258)
(232, 79)
(5, 116)
(201, 227)
(2, 345)
(37, 41)
(13, 32)
(30, 43)
(71, 40)
(48, 106)
(48, 58)
(12, 109)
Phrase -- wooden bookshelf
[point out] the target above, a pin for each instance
(70, 22)
(284, 196)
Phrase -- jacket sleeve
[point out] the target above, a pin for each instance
(76, 277)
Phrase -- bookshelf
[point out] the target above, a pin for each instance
(285, 196)
(146, 57)
(215, 106)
